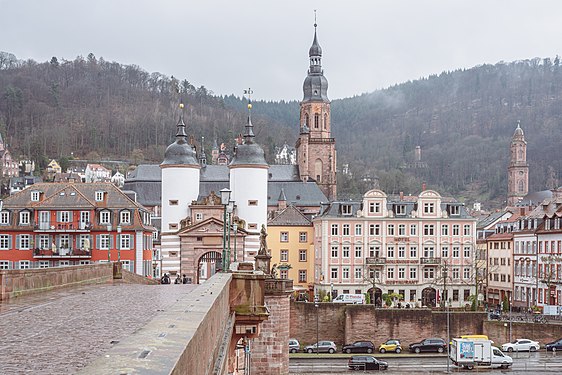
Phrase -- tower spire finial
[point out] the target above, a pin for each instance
(181, 125)
(249, 127)
(315, 20)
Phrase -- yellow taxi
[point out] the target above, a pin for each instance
(392, 345)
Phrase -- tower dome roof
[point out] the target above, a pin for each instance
(518, 135)
(315, 49)
(249, 152)
(180, 152)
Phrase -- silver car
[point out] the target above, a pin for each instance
(323, 347)
(294, 346)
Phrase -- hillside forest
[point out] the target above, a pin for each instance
(463, 120)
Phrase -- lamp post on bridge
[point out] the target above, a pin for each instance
(229, 210)
(235, 229)
(119, 243)
(108, 244)
(225, 199)
(317, 333)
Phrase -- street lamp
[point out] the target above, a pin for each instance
(317, 336)
(229, 210)
(109, 244)
(510, 318)
(331, 292)
(447, 303)
(225, 198)
(119, 243)
(235, 229)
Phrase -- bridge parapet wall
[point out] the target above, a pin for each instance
(14, 283)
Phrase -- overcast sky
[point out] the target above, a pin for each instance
(229, 45)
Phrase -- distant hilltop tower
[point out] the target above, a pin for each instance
(316, 149)
(518, 170)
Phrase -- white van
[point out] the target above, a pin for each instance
(355, 299)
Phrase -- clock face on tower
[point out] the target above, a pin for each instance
(521, 172)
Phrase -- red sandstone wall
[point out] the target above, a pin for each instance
(270, 351)
(543, 333)
(132, 278)
(347, 323)
(14, 283)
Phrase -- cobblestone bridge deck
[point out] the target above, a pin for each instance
(63, 331)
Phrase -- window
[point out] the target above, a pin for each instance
(345, 229)
(456, 251)
(400, 209)
(284, 255)
(455, 294)
(24, 217)
(5, 242)
(466, 252)
(4, 265)
(374, 229)
(334, 251)
(445, 251)
(358, 251)
(283, 274)
(125, 217)
(105, 217)
(456, 273)
(390, 230)
(302, 237)
(466, 273)
(345, 251)
(334, 273)
(358, 229)
(358, 273)
(4, 217)
(302, 276)
(428, 208)
(334, 229)
(466, 230)
(346, 209)
(302, 255)
(428, 230)
(455, 210)
(125, 242)
(99, 197)
(390, 251)
(24, 264)
(24, 242)
(428, 252)
(401, 251)
(456, 228)
(401, 229)
(390, 273)
(198, 216)
(429, 273)
(35, 196)
(413, 273)
(413, 229)
(401, 272)
(284, 237)
(466, 296)
(44, 264)
(345, 273)
(413, 252)
(252, 202)
(64, 216)
(104, 242)
(44, 242)
(374, 207)
(444, 230)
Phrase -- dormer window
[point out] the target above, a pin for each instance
(400, 209)
(125, 217)
(429, 208)
(24, 218)
(35, 196)
(105, 217)
(99, 196)
(454, 210)
(4, 218)
(374, 207)
(346, 209)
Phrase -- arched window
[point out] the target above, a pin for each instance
(325, 121)
(316, 121)
(306, 120)
(318, 170)
(521, 186)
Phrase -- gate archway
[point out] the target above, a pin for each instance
(429, 297)
(376, 296)
(208, 264)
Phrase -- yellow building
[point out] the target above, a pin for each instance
(290, 240)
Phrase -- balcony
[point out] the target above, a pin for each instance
(377, 261)
(62, 227)
(430, 261)
(62, 253)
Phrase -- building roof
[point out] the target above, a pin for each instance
(290, 216)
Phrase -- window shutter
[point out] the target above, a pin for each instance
(18, 241)
(10, 241)
(98, 241)
(111, 241)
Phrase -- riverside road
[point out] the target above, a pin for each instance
(523, 363)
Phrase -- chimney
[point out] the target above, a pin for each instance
(401, 195)
(423, 186)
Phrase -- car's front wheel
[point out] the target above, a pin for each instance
(369, 350)
(382, 350)
(398, 350)
(533, 348)
(309, 351)
(331, 351)
(348, 351)
(417, 350)
(510, 349)
(292, 351)
(505, 365)
(440, 350)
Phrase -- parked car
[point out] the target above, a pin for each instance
(429, 345)
(359, 347)
(323, 347)
(521, 345)
(366, 362)
(294, 346)
(391, 345)
(554, 346)
(494, 315)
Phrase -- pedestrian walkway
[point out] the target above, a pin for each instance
(62, 331)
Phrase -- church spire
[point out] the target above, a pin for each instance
(249, 135)
(181, 134)
(315, 85)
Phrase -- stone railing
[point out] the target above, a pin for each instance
(375, 260)
(278, 286)
(430, 260)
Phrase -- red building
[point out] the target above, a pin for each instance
(62, 224)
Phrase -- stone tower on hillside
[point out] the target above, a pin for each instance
(518, 170)
(316, 149)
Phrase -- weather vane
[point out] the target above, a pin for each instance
(249, 93)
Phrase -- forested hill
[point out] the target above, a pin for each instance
(463, 121)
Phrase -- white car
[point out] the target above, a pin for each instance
(521, 345)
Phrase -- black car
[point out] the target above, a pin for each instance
(359, 347)
(554, 346)
(366, 362)
(429, 345)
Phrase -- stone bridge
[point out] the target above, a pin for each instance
(100, 319)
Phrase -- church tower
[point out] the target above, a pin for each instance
(316, 149)
(518, 170)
